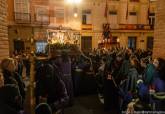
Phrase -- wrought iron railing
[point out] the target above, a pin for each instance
(42, 19)
(22, 17)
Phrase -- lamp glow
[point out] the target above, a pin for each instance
(118, 40)
(73, 1)
(77, 1)
(75, 15)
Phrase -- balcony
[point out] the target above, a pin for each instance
(86, 27)
(134, 0)
(22, 17)
(42, 19)
(135, 27)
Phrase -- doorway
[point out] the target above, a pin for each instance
(19, 45)
(86, 43)
(150, 42)
(132, 42)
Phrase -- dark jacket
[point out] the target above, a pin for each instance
(10, 97)
(6, 109)
(132, 79)
(149, 74)
(51, 87)
(14, 78)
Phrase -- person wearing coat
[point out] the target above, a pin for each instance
(10, 98)
(65, 66)
(111, 97)
(8, 67)
(50, 88)
(133, 75)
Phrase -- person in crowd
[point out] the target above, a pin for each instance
(65, 66)
(26, 62)
(158, 84)
(143, 62)
(43, 108)
(100, 76)
(159, 75)
(110, 82)
(8, 67)
(50, 88)
(10, 98)
(148, 76)
(19, 62)
(133, 75)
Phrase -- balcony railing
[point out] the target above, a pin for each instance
(86, 26)
(134, 0)
(135, 27)
(42, 19)
(22, 17)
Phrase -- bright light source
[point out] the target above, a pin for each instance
(70, 1)
(75, 15)
(73, 1)
(77, 1)
(118, 40)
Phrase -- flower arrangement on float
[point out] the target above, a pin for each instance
(61, 41)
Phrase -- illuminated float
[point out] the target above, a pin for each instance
(63, 40)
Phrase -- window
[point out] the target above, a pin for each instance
(113, 19)
(152, 19)
(150, 42)
(132, 42)
(21, 9)
(86, 17)
(59, 15)
(41, 47)
(42, 14)
(113, 12)
(132, 18)
(132, 13)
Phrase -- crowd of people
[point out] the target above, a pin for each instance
(124, 77)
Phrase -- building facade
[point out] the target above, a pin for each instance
(159, 40)
(4, 45)
(131, 21)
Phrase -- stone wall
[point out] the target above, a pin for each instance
(159, 41)
(4, 45)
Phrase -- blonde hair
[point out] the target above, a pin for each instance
(5, 63)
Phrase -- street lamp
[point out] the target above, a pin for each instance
(75, 15)
(75, 12)
(74, 2)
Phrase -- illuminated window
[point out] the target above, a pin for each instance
(152, 19)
